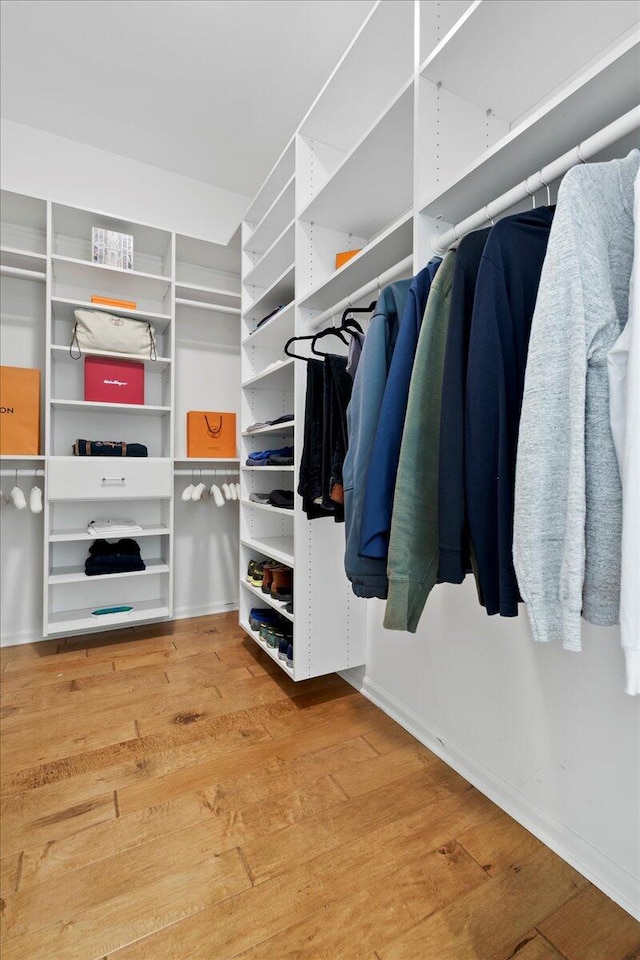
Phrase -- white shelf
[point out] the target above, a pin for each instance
(60, 304)
(278, 548)
(274, 220)
(199, 295)
(277, 178)
(279, 379)
(604, 92)
(72, 536)
(267, 469)
(83, 273)
(471, 61)
(281, 291)
(190, 460)
(268, 650)
(60, 354)
(183, 304)
(275, 332)
(77, 574)
(392, 245)
(268, 599)
(276, 428)
(23, 259)
(22, 459)
(273, 262)
(81, 621)
(92, 406)
(268, 507)
(372, 184)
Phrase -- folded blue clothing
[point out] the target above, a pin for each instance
(259, 457)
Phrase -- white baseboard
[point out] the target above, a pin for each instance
(180, 613)
(580, 854)
(25, 636)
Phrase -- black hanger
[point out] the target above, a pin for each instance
(296, 356)
(329, 332)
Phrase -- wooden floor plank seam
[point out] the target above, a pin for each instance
(170, 795)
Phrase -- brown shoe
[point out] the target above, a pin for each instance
(282, 584)
(267, 574)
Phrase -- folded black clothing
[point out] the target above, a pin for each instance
(269, 315)
(105, 548)
(285, 418)
(122, 556)
(126, 565)
(108, 448)
(279, 460)
(281, 498)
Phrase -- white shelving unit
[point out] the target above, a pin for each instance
(189, 291)
(435, 135)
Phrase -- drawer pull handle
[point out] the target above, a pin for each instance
(113, 480)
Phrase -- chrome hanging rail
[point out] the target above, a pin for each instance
(400, 269)
(593, 145)
(197, 473)
(31, 474)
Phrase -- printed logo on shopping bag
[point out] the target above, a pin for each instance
(19, 411)
(211, 434)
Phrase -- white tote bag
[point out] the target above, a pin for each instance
(95, 330)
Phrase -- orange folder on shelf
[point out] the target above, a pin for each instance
(19, 411)
(111, 302)
(211, 434)
(344, 257)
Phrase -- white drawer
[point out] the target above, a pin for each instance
(109, 478)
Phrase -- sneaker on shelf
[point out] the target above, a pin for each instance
(289, 608)
(290, 656)
(283, 646)
(259, 497)
(252, 564)
(258, 616)
(256, 578)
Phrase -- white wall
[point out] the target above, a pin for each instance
(549, 735)
(55, 168)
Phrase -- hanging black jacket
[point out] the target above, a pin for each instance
(505, 298)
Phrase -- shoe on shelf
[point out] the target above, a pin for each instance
(268, 573)
(259, 497)
(257, 575)
(282, 584)
(258, 616)
(252, 564)
(283, 646)
(289, 608)
(290, 656)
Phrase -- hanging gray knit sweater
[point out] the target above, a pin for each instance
(568, 507)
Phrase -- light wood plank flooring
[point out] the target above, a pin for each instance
(169, 794)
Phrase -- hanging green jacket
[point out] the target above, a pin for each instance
(413, 544)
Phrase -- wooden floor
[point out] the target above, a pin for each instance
(169, 794)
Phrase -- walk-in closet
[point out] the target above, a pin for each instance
(320, 480)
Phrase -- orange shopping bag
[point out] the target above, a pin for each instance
(211, 434)
(19, 411)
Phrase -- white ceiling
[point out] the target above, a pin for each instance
(210, 89)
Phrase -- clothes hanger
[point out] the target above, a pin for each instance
(291, 340)
(348, 324)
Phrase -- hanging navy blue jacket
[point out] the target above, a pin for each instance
(378, 499)
(505, 297)
(453, 530)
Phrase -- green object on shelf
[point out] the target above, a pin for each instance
(102, 611)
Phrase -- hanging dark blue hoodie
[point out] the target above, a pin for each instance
(505, 297)
(381, 481)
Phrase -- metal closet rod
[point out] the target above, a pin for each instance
(22, 473)
(593, 145)
(196, 472)
(373, 286)
(19, 273)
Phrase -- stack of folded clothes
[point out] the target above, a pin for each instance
(271, 458)
(120, 557)
(108, 448)
(113, 528)
(277, 498)
(285, 418)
